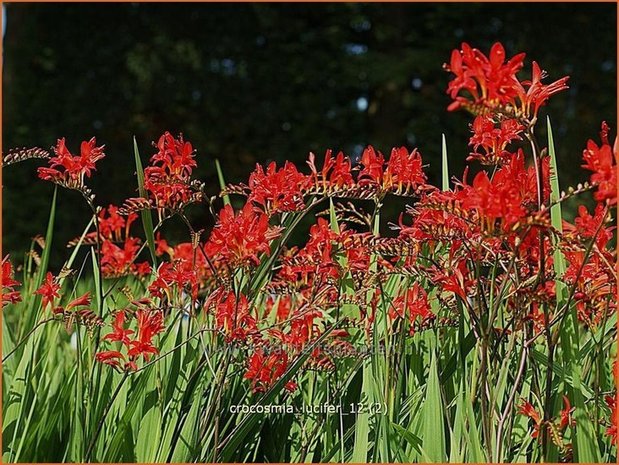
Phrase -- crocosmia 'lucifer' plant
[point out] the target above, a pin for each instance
(476, 325)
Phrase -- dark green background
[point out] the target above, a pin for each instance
(250, 83)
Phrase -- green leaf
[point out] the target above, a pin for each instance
(147, 218)
(222, 182)
(585, 439)
(433, 421)
(444, 165)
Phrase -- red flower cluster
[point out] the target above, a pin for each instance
(149, 325)
(492, 138)
(284, 189)
(50, 291)
(239, 239)
(232, 315)
(336, 172)
(265, 369)
(611, 431)
(560, 424)
(490, 83)
(70, 170)
(414, 302)
(402, 173)
(167, 179)
(112, 225)
(118, 260)
(277, 190)
(602, 161)
(9, 294)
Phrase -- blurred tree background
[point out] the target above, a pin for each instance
(248, 83)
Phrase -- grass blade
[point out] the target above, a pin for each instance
(147, 218)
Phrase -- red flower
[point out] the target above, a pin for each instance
(413, 301)
(232, 316)
(602, 161)
(489, 84)
(114, 226)
(373, 166)
(277, 190)
(239, 239)
(110, 357)
(117, 261)
(528, 410)
(489, 80)
(179, 274)
(49, 290)
(492, 139)
(119, 333)
(456, 280)
(404, 171)
(264, 370)
(161, 245)
(496, 199)
(9, 295)
(537, 93)
(81, 301)
(336, 172)
(71, 170)
(566, 414)
(611, 431)
(150, 323)
(167, 179)
(587, 225)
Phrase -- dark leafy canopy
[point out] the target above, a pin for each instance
(252, 83)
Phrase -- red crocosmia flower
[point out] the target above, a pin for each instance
(49, 290)
(586, 225)
(119, 333)
(81, 301)
(239, 239)
(179, 274)
(528, 410)
(488, 80)
(303, 328)
(9, 294)
(611, 431)
(167, 179)
(457, 280)
(68, 169)
(110, 357)
(404, 171)
(114, 226)
(150, 323)
(496, 199)
(336, 172)
(233, 317)
(602, 161)
(284, 308)
(265, 369)
(373, 167)
(117, 261)
(489, 84)
(413, 302)
(315, 262)
(277, 190)
(537, 93)
(161, 245)
(566, 414)
(595, 285)
(493, 140)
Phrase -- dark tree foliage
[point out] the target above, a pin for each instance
(250, 83)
